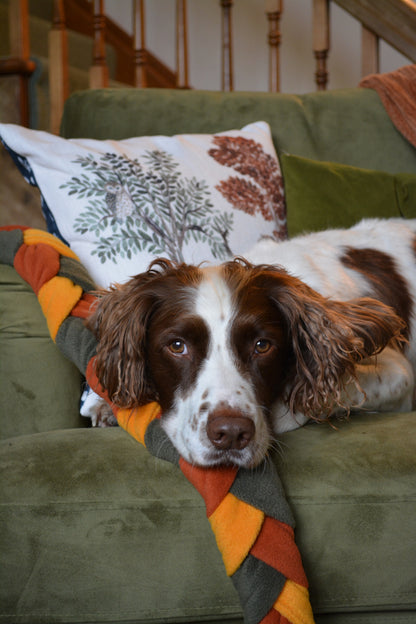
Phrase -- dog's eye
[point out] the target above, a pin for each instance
(262, 346)
(178, 347)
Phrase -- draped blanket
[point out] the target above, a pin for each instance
(397, 91)
(247, 509)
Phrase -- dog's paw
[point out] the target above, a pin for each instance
(95, 408)
(103, 416)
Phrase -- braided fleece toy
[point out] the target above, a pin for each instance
(247, 509)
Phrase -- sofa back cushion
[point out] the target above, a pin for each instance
(348, 126)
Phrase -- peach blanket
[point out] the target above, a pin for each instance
(397, 91)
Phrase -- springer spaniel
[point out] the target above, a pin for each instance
(239, 352)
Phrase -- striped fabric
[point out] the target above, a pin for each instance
(247, 509)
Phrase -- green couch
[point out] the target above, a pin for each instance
(95, 530)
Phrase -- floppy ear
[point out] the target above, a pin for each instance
(119, 322)
(328, 337)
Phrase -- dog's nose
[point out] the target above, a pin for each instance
(228, 429)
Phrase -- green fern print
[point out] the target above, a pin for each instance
(131, 207)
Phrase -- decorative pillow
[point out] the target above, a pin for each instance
(120, 204)
(321, 195)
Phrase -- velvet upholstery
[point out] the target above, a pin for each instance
(330, 195)
(349, 126)
(102, 527)
(95, 530)
(34, 375)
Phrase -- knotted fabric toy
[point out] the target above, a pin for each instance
(247, 509)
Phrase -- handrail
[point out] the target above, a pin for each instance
(394, 21)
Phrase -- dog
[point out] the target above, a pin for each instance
(235, 354)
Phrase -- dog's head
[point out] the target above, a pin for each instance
(218, 347)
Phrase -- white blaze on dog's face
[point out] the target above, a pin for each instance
(219, 388)
(214, 363)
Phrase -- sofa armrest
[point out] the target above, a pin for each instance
(39, 388)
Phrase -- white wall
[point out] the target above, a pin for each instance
(250, 43)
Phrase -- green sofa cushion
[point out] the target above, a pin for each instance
(39, 388)
(100, 523)
(349, 126)
(321, 195)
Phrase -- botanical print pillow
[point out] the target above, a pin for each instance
(120, 204)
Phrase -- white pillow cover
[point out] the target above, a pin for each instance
(120, 204)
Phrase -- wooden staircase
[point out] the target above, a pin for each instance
(119, 59)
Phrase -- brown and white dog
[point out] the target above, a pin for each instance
(236, 353)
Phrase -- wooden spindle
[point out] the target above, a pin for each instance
(321, 41)
(370, 52)
(58, 66)
(139, 37)
(227, 73)
(182, 79)
(274, 9)
(99, 69)
(19, 63)
(19, 29)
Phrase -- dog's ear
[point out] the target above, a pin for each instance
(119, 322)
(328, 338)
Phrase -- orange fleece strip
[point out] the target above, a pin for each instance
(85, 306)
(293, 603)
(95, 385)
(33, 237)
(236, 525)
(276, 546)
(57, 298)
(136, 420)
(274, 617)
(212, 483)
(37, 264)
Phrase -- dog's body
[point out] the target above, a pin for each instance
(237, 353)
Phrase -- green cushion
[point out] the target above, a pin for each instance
(94, 529)
(347, 125)
(321, 195)
(39, 388)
